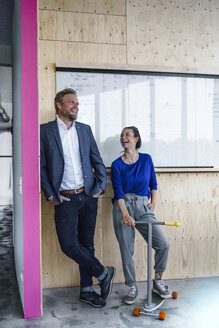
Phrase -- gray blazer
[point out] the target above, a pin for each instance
(52, 160)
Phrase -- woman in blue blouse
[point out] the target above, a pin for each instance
(135, 190)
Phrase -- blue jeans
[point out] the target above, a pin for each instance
(75, 226)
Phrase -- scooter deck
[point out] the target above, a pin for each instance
(156, 302)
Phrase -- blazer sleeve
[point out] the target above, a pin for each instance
(97, 163)
(45, 183)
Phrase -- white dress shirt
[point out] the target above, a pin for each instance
(73, 173)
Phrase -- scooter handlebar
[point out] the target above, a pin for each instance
(174, 224)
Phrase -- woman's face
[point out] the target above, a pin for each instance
(127, 139)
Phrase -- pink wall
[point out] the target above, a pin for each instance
(30, 164)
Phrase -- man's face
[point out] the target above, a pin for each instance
(68, 110)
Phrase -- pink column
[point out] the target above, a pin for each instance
(30, 164)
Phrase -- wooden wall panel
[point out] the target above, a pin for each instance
(191, 199)
(69, 26)
(57, 269)
(144, 32)
(173, 33)
(114, 7)
(194, 246)
(52, 52)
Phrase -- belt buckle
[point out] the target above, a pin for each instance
(76, 192)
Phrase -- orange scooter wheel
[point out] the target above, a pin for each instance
(174, 295)
(162, 315)
(136, 312)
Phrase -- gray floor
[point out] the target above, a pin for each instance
(196, 306)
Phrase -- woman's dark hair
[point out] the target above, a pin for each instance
(136, 134)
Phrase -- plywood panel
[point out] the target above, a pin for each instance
(166, 34)
(57, 269)
(173, 33)
(51, 52)
(69, 26)
(191, 199)
(194, 250)
(110, 254)
(196, 206)
(87, 6)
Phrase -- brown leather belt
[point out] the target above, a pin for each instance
(72, 191)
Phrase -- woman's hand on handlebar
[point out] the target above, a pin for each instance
(128, 221)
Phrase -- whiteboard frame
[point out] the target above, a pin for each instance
(147, 70)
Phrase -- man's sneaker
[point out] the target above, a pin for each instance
(92, 298)
(131, 296)
(160, 288)
(106, 283)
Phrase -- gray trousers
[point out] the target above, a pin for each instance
(137, 208)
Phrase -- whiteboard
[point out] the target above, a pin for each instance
(177, 114)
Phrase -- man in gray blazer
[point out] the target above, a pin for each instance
(73, 176)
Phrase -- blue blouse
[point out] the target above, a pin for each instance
(137, 178)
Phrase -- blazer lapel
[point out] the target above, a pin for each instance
(57, 136)
(77, 126)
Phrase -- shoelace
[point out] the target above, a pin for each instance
(161, 285)
(132, 291)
